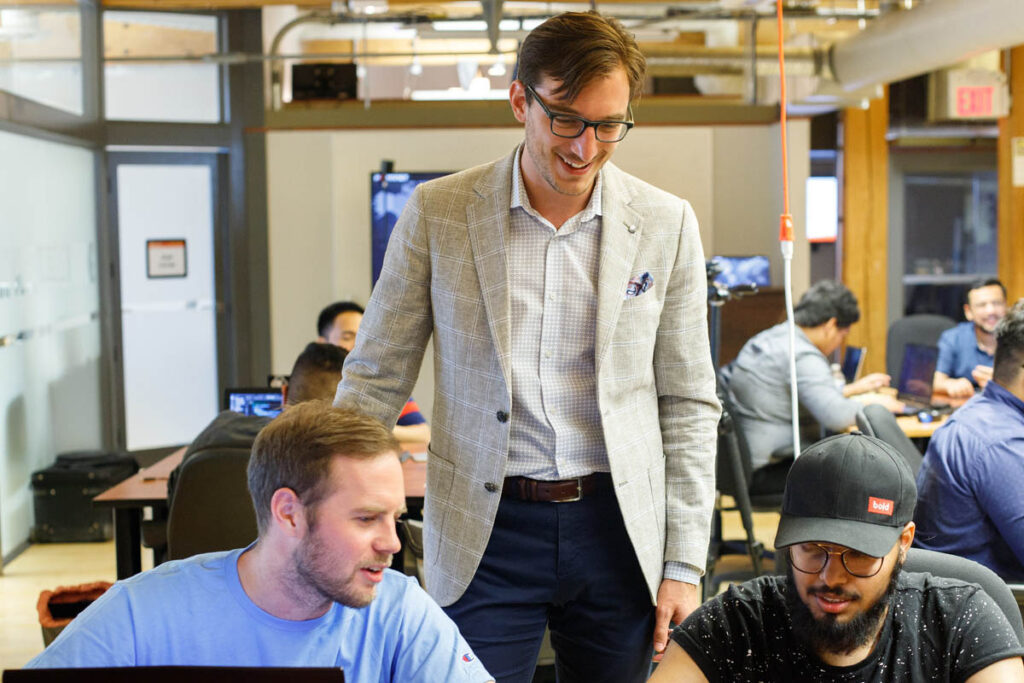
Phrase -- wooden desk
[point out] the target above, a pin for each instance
(148, 488)
(915, 429)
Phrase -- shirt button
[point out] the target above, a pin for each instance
(491, 487)
(547, 354)
(502, 416)
(551, 297)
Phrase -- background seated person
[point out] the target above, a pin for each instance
(845, 611)
(314, 588)
(315, 375)
(965, 351)
(338, 324)
(972, 477)
(759, 383)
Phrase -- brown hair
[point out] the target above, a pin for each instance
(296, 448)
(577, 48)
(1009, 356)
(316, 373)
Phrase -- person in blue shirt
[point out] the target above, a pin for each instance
(972, 476)
(965, 351)
(313, 590)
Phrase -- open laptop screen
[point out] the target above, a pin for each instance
(853, 361)
(255, 401)
(918, 372)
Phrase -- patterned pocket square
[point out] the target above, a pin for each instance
(639, 285)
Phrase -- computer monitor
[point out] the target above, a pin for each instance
(743, 270)
(853, 361)
(917, 373)
(388, 194)
(254, 401)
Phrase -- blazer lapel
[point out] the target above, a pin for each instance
(487, 218)
(620, 237)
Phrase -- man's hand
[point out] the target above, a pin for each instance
(982, 374)
(958, 387)
(891, 403)
(675, 602)
(872, 382)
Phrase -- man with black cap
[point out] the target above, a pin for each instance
(845, 611)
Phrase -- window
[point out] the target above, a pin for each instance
(153, 69)
(41, 55)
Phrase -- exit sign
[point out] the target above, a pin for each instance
(975, 101)
(967, 94)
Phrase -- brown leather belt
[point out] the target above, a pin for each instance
(563, 491)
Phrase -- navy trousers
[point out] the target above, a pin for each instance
(570, 566)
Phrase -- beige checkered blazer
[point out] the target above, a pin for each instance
(446, 274)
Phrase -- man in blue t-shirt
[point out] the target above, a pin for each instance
(965, 351)
(313, 590)
(973, 473)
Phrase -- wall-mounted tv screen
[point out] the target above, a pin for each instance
(388, 194)
(743, 270)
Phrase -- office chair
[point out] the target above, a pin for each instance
(736, 477)
(875, 420)
(410, 533)
(212, 509)
(954, 567)
(922, 328)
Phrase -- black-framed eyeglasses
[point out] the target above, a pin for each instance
(811, 558)
(572, 126)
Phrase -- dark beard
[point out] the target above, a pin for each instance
(827, 634)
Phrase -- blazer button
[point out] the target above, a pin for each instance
(502, 416)
(491, 486)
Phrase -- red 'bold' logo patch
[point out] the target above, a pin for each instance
(880, 506)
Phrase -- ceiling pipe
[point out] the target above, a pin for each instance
(933, 35)
(492, 10)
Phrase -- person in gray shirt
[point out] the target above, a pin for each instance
(759, 377)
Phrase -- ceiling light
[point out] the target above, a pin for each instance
(497, 69)
(468, 25)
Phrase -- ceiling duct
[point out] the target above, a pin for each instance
(933, 35)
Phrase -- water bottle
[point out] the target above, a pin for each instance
(837, 376)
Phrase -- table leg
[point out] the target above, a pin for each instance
(128, 541)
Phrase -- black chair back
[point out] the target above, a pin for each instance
(922, 328)
(875, 420)
(954, 567)
(211, 509)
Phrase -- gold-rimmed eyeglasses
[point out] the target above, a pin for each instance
(811, 558)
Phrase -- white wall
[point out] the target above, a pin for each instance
(319, 203)
(747, 180)
(49, 375)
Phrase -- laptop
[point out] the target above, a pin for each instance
(853, 361)
(254, 401)
(916, 376)
(173, 674)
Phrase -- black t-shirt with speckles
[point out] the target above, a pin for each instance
(937, 629)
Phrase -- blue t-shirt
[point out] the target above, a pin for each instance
(959, 353)
(195, 612)
(970, 499)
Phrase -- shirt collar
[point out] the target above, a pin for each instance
(997, 392)
(521, 200)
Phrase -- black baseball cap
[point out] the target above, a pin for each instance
(851, 490)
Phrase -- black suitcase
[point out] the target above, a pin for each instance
(64, 491)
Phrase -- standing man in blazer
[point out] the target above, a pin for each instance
(571, 468)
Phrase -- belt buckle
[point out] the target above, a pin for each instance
(579, 493)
